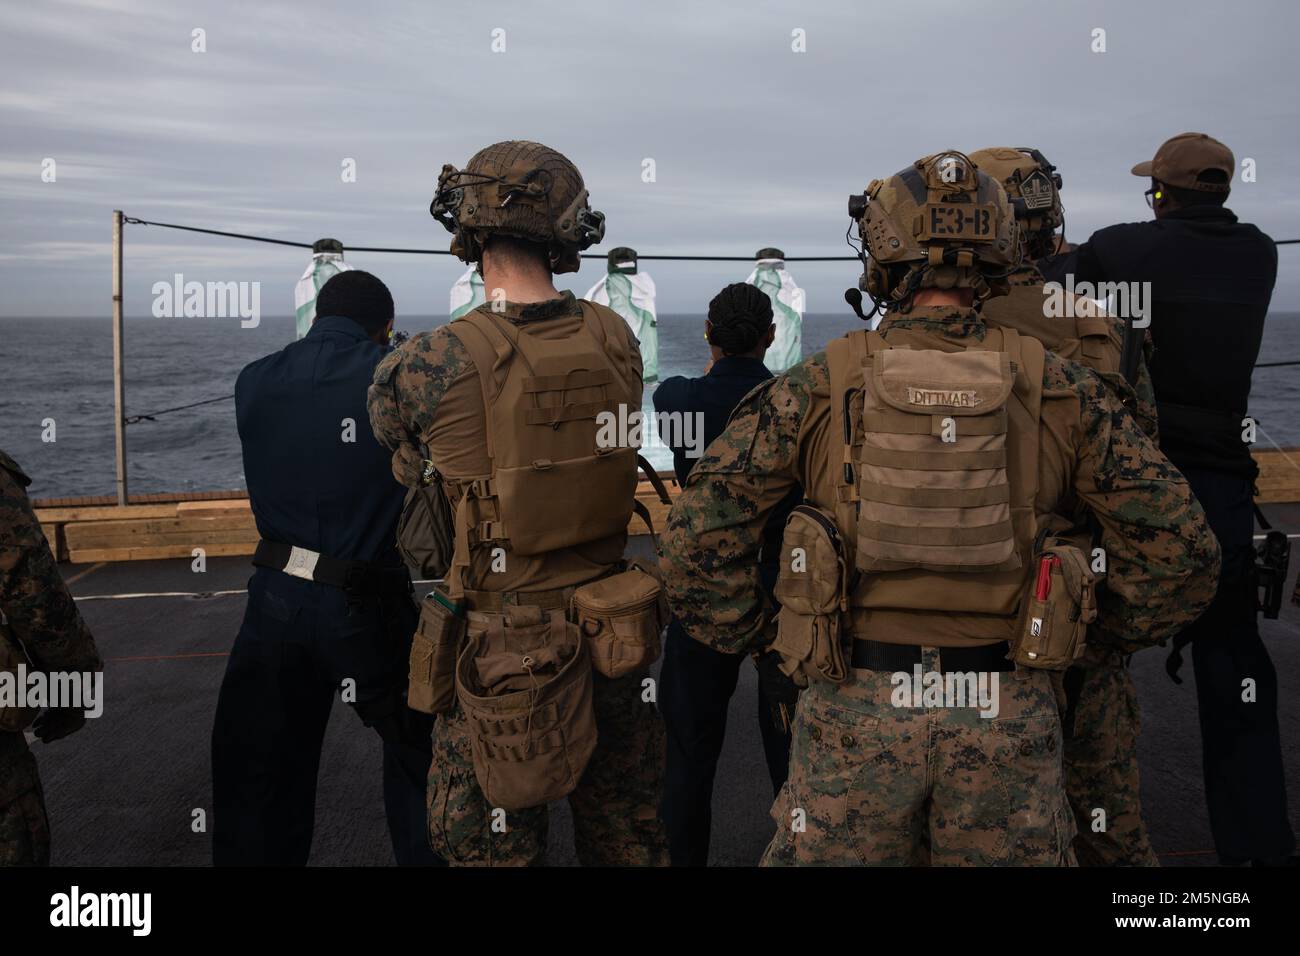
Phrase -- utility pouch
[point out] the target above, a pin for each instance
(523, 681)
(621, 618)
(434, 648)
(1057, 608)
(812, 588)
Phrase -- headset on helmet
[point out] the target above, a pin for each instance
(519, 189)
(940, 223)
(1034, 188)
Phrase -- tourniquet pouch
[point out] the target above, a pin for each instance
(811, 586)
(431, 688)
(1057, 608)
(932, 477)
(524, 684)
(621, 618)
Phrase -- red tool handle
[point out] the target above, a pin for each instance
(1044, 586)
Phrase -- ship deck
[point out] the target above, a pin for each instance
(122, 791)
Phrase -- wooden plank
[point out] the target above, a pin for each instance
(64, 515)
(155, 553)
(226, 506)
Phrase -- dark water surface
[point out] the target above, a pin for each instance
(62, 369)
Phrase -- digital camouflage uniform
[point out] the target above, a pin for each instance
(430, 387)
(1101, 719)
(44, 621)
(878, 784)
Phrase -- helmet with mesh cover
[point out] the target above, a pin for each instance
(520, 189)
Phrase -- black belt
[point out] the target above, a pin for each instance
(877, 656)
(355, 577)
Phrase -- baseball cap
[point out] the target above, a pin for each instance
(1181, 159)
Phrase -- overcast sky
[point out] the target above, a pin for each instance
(753, 144)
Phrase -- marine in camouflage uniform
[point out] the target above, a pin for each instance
(874, 783)
(1100, 716)
(44, 625)
(430, 388)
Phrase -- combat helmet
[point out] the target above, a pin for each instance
(939, 223)
(521, 189)
(1034, 189)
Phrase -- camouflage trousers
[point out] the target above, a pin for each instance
(615, 805)
(1101, 722)
(24, 829)
(876, 784)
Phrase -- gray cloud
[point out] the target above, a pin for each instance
(754, 144)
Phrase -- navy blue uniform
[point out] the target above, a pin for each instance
(317, 479)
(696, 682)
(1211, 281)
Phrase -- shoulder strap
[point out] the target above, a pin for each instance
(843, 357)
(477, 337)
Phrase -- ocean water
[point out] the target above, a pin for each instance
(62, 370)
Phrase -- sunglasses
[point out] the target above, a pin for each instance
(1152, 195)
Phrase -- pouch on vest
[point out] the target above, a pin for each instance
(431, 688)
(811, 585)
(932, 469)
(621, 617)
(524, 684)
(425, 531)
(1057, 608)
(13, 719)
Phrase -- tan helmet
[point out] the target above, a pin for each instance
(1034, 188)
(520, 189)
(940, 223)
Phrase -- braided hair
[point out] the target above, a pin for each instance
(739, 317)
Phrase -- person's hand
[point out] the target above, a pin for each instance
(55, 723)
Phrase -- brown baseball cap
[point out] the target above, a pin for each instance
(1180, 160)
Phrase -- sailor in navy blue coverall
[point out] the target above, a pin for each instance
(330, 612)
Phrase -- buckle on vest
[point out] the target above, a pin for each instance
(482, 488)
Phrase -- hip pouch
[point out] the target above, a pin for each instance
(431, 687)
(1056, 609)
(524, 683)
(621, 618)
(811, 585)
(932, 472)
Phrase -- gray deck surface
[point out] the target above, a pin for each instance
(123, 790)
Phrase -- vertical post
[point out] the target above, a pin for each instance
(119, 370)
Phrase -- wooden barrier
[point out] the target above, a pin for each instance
(172, 526)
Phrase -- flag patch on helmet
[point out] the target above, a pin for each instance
(1036, 189)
